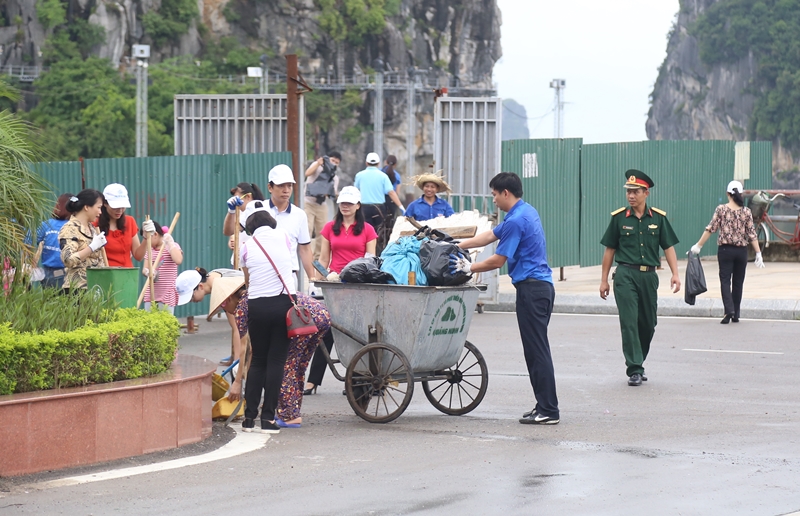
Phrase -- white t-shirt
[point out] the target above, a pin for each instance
(264, 282)
(294, 222)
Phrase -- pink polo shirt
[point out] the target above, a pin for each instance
(346, 247)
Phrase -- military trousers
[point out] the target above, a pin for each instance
(636, 295)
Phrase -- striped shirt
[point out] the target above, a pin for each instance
(164, 286)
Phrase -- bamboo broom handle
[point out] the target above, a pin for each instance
(171, 228)
(236, 240)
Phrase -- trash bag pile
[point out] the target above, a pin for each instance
(365, 270)
(402, 257)
(435, 258)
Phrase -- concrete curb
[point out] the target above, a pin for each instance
(779, 309)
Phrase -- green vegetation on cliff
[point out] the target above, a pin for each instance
(769, 29)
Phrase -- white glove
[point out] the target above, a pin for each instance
(148, 227)
(146, 273)
(759, 261)
(233, 202)
(402, 210)
(696, 248)
(98, 241)
(460, 264)
(168, 241)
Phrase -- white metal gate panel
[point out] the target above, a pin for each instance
(229, 124)
(467, 148)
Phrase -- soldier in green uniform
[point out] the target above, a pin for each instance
(633, 238)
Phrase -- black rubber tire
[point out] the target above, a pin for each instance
(379, 383)
(461, 380)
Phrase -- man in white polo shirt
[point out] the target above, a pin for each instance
(289, 217)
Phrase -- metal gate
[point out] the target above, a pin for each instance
(229, 124)
(466, 147)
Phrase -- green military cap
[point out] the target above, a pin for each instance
(637, 179)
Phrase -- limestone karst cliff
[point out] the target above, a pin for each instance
(454, 42)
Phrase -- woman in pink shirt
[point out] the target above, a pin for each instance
(344, 239)
(347, 236)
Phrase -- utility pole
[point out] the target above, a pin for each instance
(378, 111)
(412, 122)
(264, 83)
(559, 85)
(141, 53)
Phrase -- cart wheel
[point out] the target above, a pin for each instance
(379, 383)
(465, 386)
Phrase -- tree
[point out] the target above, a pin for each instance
(26, 198)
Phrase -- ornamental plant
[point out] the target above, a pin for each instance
(132, 344)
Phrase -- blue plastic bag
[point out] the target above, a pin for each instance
(402, 257)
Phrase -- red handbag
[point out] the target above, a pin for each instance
(299, 321)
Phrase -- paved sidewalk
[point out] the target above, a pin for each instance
(769, 293)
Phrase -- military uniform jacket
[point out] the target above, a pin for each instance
(636, 241)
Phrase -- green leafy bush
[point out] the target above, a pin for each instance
(171, 21)
(133, 344)
(34, 309)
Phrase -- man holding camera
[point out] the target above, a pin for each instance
(321, 183)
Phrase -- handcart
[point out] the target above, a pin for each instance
(391, 336)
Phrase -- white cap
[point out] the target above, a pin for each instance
(185, 284)
(735, 185)
(281, 174)
(116, 196)
(252, 207)
(349, 194)
(373, 159)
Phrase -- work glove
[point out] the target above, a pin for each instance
(696, 248)
(168, 241)
(146, 273)
(759, 261)
(98, 241)
(148, 226)
(459, 264)
(402, 210)
(233, 202)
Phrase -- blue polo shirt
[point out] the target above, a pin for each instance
(373, 184)
(522, 242)
(51, 251)
(421, 210)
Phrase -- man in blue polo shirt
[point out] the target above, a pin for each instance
(522, 244)
(430, 205)
(374, 186)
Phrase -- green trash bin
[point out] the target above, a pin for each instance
(118, 283)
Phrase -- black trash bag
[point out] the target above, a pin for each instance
(365, 270)
(695, 282)
(435, 260)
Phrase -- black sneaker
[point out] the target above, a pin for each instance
(635, 380)
(534, 418)
(248, 425)
(269, 428)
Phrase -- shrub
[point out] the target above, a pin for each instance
(134, 344)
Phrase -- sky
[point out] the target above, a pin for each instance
(608, 51)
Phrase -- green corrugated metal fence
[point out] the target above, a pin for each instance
(551, 180)
(195, 186)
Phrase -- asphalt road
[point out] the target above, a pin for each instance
(711, 432)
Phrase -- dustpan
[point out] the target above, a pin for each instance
(223, 409)
(219, 386)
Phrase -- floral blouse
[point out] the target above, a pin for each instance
(735, 226)
(73, 239)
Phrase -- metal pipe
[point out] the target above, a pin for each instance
(292, 115)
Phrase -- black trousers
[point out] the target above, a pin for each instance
(375, 214)
(534, 307)
(732, 264)
(318, 364)
(266, 323)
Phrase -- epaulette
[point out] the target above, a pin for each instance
(619, 211)
(660, 212)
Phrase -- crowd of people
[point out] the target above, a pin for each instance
(271, 242)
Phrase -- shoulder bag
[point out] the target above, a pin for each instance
(299, 321)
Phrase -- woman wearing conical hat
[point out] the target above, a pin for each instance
(430, 205)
